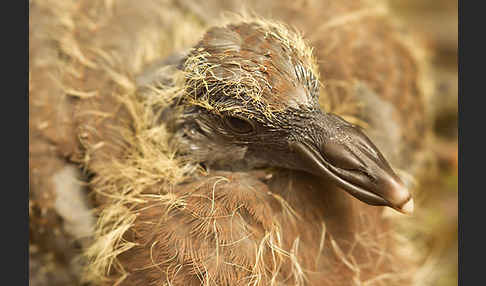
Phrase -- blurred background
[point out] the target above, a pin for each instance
(433, 228)
(437, 22)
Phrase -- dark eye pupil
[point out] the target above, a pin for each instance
(239, 125)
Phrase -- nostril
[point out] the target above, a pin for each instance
(340, 156)
(368, 175)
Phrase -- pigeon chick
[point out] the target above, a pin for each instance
(272, 206)
(218, 166)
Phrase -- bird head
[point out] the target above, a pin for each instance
(251, 99)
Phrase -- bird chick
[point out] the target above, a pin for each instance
(248, 100)
(252, 100)
(244, 99)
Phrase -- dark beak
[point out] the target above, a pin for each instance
(355, 164)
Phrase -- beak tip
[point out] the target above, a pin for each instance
(408, 207)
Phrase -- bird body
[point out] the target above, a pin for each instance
(218, 165)
(242, 229)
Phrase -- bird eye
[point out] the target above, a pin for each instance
(239, 125)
